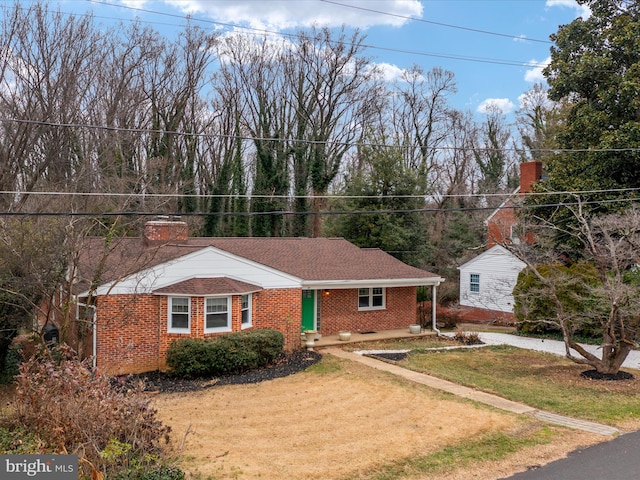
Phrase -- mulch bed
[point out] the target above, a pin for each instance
(394, 357)
(162, 382)
(595, 375)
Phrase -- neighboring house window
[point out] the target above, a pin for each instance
(246, 311)
(179, 315)
(217, 315)
(515, 236)
(371, 298)
(474, 284)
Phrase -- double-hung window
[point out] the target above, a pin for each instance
(246, 310)
(371, 298)
(179, 315)
(217, 314)
(474, 283)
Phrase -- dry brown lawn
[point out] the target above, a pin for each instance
(338, 420)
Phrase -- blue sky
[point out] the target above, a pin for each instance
(495, 48)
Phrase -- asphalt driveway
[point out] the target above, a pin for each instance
(618, 459)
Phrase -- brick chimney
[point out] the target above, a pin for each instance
(164, 231)
(530, 173)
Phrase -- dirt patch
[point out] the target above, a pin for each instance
(338, 419)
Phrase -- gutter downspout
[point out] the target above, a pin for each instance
(94, 361)
(433, 309)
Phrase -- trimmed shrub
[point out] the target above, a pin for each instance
(224, 355)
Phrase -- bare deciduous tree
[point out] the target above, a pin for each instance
(603, 289)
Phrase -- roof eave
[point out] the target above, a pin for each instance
(367, 283)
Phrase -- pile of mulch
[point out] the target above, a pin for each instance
(595, 375)
(161, 382)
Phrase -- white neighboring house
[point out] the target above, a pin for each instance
(487, 281)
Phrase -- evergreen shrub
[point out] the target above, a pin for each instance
(224, 355)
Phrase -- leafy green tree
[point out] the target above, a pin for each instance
(385, 203)
(595, 67)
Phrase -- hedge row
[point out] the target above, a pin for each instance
(224, 355)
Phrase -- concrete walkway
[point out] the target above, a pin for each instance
(472, 394)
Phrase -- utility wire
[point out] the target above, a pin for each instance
(313, 142)
(315, 213)
(311, 197)
(447, 25)
(293, 35)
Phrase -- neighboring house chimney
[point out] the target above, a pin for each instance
(165, 230)
(530, 173)
(502, 224)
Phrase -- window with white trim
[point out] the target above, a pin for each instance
(179, 318)
(371, 298)
(474, 283)
(217, 315)
(246, 310)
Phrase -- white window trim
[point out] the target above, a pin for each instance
(471, 291)
(171, 329)
(249, 308)
(229, 326)
(370, 307)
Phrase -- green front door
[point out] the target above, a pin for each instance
(308, 310)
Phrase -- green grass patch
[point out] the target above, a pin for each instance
(328, 365)
(492, 447)
(543, 381)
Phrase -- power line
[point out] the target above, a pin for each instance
(314, 142)
(314, 213)
(447, 25)
(494, 61)
(312, 197)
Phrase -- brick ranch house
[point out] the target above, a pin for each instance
(139, 294)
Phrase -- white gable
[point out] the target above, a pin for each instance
(208, 262)
(495, 275)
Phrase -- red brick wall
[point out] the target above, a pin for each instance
(281, 310)
(133, 337)
(165, 230)
(132, 330)
(127, 333)
(530, 173)
(499, 226)
(481, 315)
(339, 311)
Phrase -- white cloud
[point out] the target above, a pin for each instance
(503, 105)
(283, 14)
(520, 38)
(582, 10)
(535, 74)
(388, 72)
